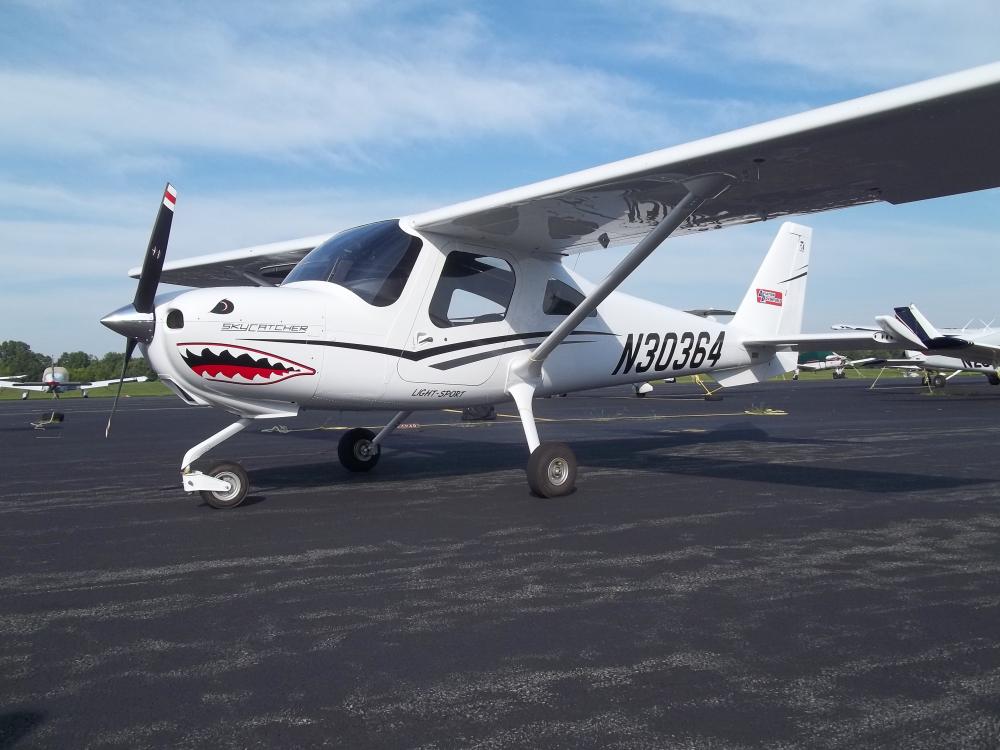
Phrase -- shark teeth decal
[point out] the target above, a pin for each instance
(228, 363)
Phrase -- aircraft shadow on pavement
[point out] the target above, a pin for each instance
(435, 456)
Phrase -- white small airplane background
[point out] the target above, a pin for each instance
(932, 367)
(968, 349)
(55, 380)
(830, 361)
(472, 304)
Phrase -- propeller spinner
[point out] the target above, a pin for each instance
(136, 322)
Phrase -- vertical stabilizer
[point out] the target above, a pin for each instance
(775, 300)
(773, 305)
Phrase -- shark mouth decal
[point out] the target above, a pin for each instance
(228, 363)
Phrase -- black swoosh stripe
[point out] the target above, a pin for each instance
(452, 363)
(433, 351)
(794, 277)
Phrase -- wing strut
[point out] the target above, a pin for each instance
(700, 189)
(525, 375)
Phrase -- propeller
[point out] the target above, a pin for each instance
(136, 322)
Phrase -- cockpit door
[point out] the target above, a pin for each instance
(461, 329)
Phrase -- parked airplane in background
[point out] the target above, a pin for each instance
(471, 304)
(931, 367)
(968, 349)
(55, 380)
(815, 361)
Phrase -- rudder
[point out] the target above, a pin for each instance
(775, 301)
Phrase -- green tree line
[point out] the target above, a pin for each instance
(16, 358)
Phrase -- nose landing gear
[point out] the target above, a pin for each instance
(233, 475)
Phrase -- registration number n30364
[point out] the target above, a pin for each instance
(669, 351)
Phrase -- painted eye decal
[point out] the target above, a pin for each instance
(224, 307)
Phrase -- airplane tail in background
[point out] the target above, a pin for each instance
(775, 300)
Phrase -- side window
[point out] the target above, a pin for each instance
(561, 299)
(472, 289)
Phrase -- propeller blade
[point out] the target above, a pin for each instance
(129, 348)
(156, 251)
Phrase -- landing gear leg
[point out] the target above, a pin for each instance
(551, 466)
(225, 484)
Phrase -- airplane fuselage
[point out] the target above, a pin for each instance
(315, 344)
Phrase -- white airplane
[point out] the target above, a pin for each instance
(55, 380)
(832, 361)
(978, 350)
(933, 366)
(471, 304)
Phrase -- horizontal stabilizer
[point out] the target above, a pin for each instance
(779, 364)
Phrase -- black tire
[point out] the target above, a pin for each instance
(84, 395)
(938, 381)
(552, 470)
(993, 378)
(356, 452)
(234, 474)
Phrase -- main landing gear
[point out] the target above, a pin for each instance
(359, 449)
(551, 466)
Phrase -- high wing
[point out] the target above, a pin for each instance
(24, 386)
(925, 140)
(259, 265)
(105, 383)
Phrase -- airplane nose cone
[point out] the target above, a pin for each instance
(130, 323)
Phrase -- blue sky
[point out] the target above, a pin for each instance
(281, 122)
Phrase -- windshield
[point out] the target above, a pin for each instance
(373, 261)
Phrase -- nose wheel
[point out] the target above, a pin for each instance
(236, 477)
(358, 450)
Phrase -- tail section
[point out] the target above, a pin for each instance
(774, 304)
(929, 336)
(775, 301)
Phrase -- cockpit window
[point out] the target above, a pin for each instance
(373, 261)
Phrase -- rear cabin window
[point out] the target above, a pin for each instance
(472, 289)
(562, 299)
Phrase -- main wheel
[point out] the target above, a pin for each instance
(239, 483)
(552, 470)
(938, 381)
(993, 378)
(356, 450)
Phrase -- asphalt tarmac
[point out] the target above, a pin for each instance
(826, 578)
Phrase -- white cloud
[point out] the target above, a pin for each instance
(223, 88)
(857, 41)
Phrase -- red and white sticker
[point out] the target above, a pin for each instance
(769, 297)
(170, 197)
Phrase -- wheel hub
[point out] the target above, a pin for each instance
(364, 450)
(234, 485)
(558, 471)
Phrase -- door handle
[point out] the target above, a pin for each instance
(423, 338)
